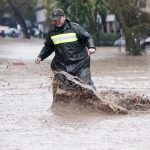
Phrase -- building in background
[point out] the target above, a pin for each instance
(111, 23)
(41, 16)
(145, 5)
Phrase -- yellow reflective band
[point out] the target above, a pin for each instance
(64, 38)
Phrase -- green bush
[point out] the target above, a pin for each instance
(108, 39)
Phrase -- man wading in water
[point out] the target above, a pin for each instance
(72, 45)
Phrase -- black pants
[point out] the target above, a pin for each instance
(85, 75)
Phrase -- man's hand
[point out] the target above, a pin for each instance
(37, 60)
(91, 51)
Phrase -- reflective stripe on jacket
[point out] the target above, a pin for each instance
(64, 38)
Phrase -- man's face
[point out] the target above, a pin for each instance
(60, 22)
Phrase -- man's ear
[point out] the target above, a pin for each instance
(64, 17)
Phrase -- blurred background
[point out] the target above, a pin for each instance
(113, 23)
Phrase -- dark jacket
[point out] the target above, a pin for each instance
(70, 44)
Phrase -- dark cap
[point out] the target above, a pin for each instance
(57, 14)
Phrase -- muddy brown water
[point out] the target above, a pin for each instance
(28, 123)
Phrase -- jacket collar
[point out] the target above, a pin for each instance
(66, 26)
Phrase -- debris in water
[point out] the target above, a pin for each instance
(71, 90)
(19, 63)
(4, 83)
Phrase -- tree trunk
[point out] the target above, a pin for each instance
(132, 42)
(20, 19)
(133, 46)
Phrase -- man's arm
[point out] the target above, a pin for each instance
(46, 50)
(87, 39)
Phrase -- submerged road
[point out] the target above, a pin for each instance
(28, 123)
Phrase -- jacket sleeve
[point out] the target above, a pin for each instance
(85, 37)
(48, 48)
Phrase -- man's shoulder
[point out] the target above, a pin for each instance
(75, 24)
(51, 28)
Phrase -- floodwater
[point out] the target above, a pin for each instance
(28, 123)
